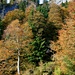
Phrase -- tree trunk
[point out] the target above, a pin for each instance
(18, 61)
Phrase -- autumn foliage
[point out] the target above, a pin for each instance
(47, 41)
(64, 47)
(55, 15)
(12, 15)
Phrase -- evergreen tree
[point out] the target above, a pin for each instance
(38, 51)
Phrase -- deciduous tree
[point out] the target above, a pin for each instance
(17, 38)
(55, 15)
(13, 37)
(12, 15)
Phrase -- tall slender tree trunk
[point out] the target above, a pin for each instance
(18, 61)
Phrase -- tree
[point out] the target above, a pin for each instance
(6, 60)
(17, 38)
(71, 9)
(37, 22)
(44, 9)
(28, 11)
(65, 47)
(12, 15)
(65, 4)
(13, 38)
(55, 15)
(26, 47)
(39, 48)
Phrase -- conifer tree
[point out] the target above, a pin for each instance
(38, 51)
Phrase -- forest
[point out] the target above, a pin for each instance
(38, 40)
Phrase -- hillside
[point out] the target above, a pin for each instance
(38, 40)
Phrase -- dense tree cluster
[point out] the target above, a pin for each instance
(65, 48)
(38, 40)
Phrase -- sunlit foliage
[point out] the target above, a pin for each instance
(71, 9)
(44, 9)
(65, 55)
(46, 39)
(28, 11)
(17, 37)
(55, 15)
(12, 15)
(37, 22)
